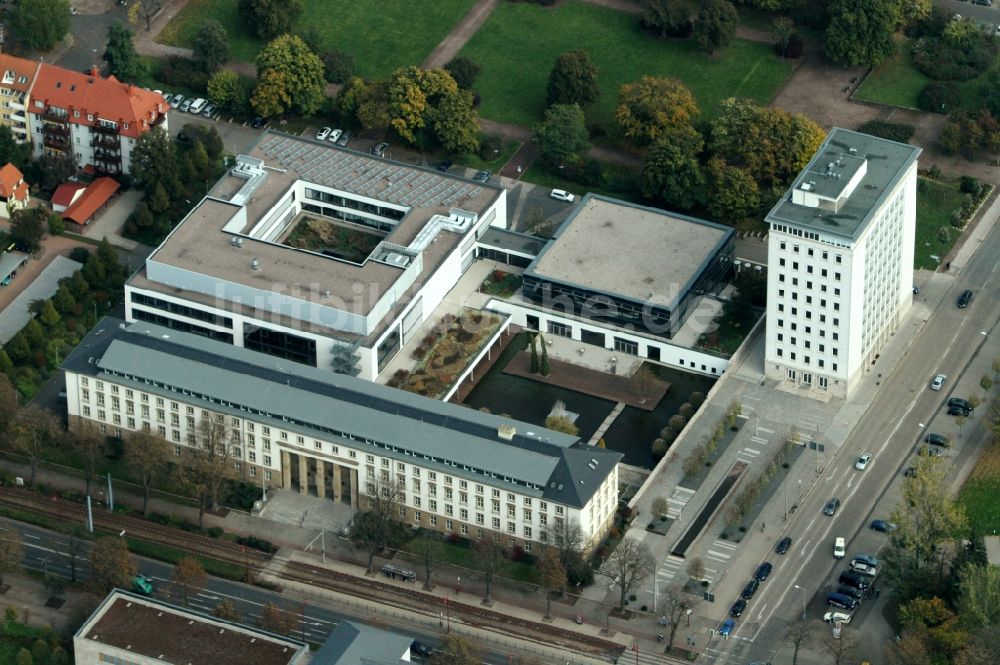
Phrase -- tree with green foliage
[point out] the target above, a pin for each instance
(365, 103)
(648, 107)
(111, 565)
(427, 103)
(979, 595)
(733, 194)
(53, 170)
(573, 80)
(120, 54)
(772, 145)
(716, 25)
(28, 227)
(48, 315)
(543, 363)
(40, 24)
(783, 30)
(563, 136)
(269, 18)
(672, 169)
(534, 355)
(154, 162)
(338, 66)
(464, 71)
(861, 32)
(57, 226)
(671, 18)
(211, 45)
(227, 90)
(289, 76)
(12, 150)
(24, 657)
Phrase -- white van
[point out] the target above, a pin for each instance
(839, 548)
(197, 106)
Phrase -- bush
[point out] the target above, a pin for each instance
(893, 131)
(939, 97)
(79, 254)
(941, 61)
(970, 185)
(178, 71)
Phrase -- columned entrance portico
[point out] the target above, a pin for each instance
(317, 477)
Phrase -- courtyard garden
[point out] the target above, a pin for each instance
(326, 237)
(382, 35)
(516, 62)
(502, 284)
(445, 352)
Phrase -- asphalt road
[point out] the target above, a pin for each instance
(892, 429)
(47, 552)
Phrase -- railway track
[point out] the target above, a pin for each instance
(416, 600)
(75, 513)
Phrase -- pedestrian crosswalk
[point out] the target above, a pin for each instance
(669, 569)
(677, 500)
(719, 553)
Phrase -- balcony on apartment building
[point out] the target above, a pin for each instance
(55, 115)
(104, 128)
(106, 142)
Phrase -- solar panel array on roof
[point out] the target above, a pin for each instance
(376, 178)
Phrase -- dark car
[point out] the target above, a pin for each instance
(964, 300)
(960, 403)
(958, 411)
(483, 176)
(379, 149)
(344, 138)
(783, 545)
(737, 608)
(763, 570)
(258, 123)
(421, 649)
(444, 165)
(749, 590)
(883, 526)
(848, 578)
(937, 440)
(851, 592)
(831, 507)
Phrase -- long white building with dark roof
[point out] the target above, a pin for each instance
(458, 470)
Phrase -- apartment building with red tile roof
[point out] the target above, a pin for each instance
(97, 120)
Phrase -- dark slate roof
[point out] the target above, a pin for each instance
(314, 402)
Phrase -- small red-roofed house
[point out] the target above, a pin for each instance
(85, 206)
(66, 194)
(13, 190)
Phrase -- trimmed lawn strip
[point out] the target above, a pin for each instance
(936, 201)
(382, 35)
(516, 62)
(896, 82)
(171, 555)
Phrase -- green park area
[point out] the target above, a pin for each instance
(516, 61)
(979, 494)
(937, 201)
(382, 35)
(895, 82)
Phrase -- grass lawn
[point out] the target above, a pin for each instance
(516, 61)
(896, 82)
(980, 492)
(381, 34)
(936, 201)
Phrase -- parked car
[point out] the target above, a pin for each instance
(960, 403)
(852, 592)
(861, 557)
(830, 509)
(185, 105)
(938, 440)
(837, 617)
(938, 382)
(964, 300)
(379, 150)
(344, 138)
(562, 195)
(883, 526)
(322, 133)
(209, 111)
(783, 545)
(258, 123)
(763, 571)
(421, 649)
(864, 569)
(335, 135)
(483, 176)
(854, 580)
(862, 462)
(727, 627)
(840, 600)
(749, 590)
(444, 165)
(958, 411)
(737, 608)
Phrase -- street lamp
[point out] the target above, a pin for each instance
(803, 590)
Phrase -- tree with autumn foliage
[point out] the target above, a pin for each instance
(289, 77)
(427, 104)
(650, 106)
